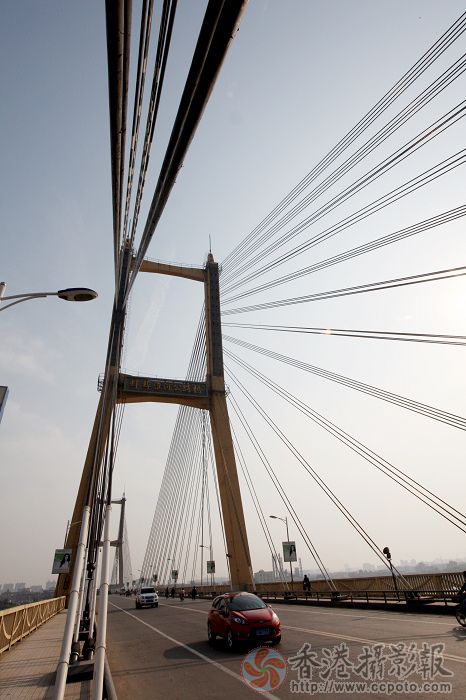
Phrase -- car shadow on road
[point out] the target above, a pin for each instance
(459, 633)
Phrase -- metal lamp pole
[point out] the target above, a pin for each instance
(205, 546)
(71, 294)
(285, 520)
(202, 560)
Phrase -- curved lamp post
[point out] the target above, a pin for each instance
(285, 520)
(70, 294)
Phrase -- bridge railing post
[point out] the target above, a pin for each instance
(64, 661)
(100, 652)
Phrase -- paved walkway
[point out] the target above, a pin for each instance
(27, 671)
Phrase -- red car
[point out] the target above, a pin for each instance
(242, 617)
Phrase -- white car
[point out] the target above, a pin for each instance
(147, 596)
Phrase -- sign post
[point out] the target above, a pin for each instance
(61, 561)
(289, 554)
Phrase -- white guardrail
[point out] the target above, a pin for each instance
(16, 623)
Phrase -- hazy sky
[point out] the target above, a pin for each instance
(297, 78)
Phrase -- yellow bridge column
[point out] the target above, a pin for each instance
(94, 455)
(230, 494)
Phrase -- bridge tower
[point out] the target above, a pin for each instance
(209, 395)
(121, 564)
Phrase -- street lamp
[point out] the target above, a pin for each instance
(387, 553)
(285, 520)
(202, 547)
(168, 572)
(209, 547)
(70, 294)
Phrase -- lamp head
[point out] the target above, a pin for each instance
(77, 294)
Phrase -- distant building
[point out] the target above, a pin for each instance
(264, 576)
(8, 587)
(20, 586)
(36, 589)
(50, 585)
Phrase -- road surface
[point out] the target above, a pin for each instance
(164, 653)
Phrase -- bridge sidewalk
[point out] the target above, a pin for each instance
(27, 671)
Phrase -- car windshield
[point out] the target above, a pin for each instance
(246, 601)
(147, 590)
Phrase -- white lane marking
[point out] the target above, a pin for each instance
(336, 635)
(402, 617)
(226, 670)
(185, 607)
(333, 635)
(318, 612)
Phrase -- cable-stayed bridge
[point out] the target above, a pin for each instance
(221, 468)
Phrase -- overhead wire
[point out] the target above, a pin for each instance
(437, 414)
(311, 471)
(188, 445)
(187, 529)
(421, 65)
(431, 338)
(165, 507)
(428, 176)
(255, 500)
(217, 496)
(389, 239)
(161, 59)
(192, 446)
(445, 122)
(216, 35)
(409, 280)
(182, 444)
(422, 493)
(190, 551)
(144, 41)
(424, 98)
(171, 479)
(118, 28)
(282, 493)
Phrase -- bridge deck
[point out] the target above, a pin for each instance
(27, 671)
(163, 652)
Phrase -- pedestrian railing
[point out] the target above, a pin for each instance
(414, 589)
(16, 623)
(412, 598)
(430, 584)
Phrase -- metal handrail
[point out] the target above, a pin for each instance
(441, 584)
(16, 623)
